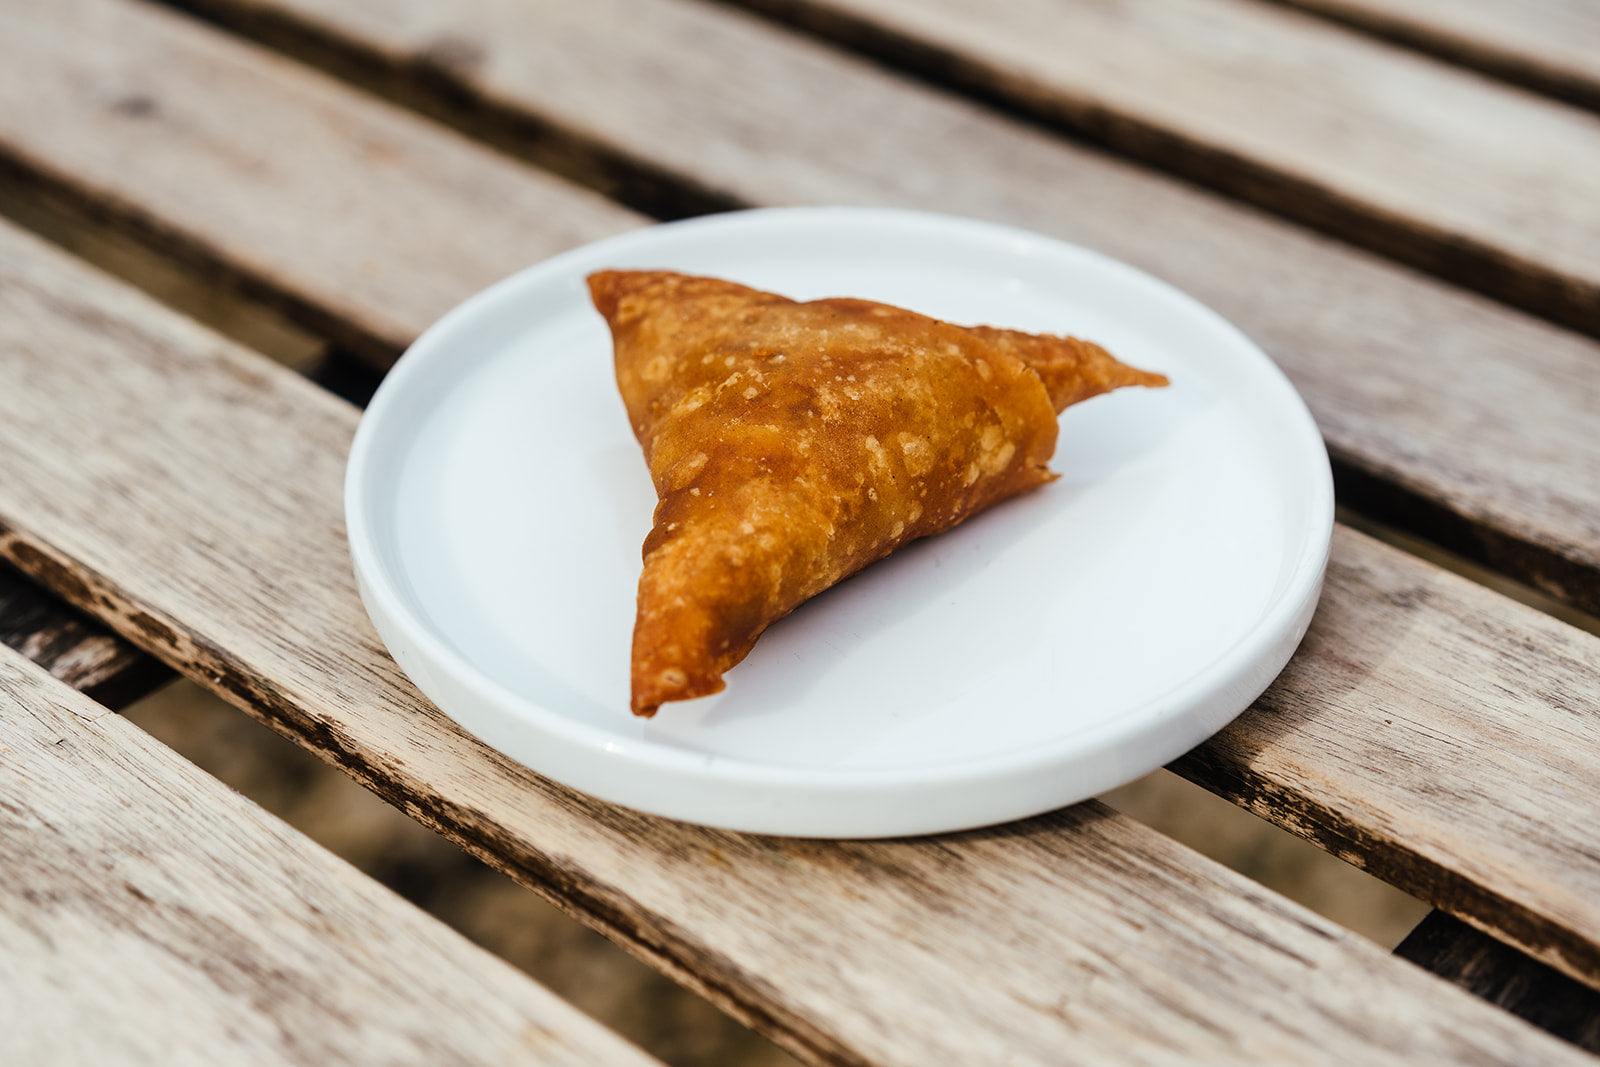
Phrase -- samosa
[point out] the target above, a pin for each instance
(792, 444)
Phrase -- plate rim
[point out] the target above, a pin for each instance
(774, 791)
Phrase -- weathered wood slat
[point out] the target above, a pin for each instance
(90, 88)
(1439, 736)
(1551, 46)
(1475, 181)
(148, 914)
(1078, 934)
(1503, 976)
(1407, 377)
(73, 647)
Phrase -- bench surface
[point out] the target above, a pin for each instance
(1397, 201)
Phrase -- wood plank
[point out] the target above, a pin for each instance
(1550, 46)
(1437, 735)
(102, 83)
(151, 915)
(1079, 934)
(1407, 377)
(1475, 181)
(73, 647)
(1504, 976)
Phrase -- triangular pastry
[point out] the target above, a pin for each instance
(792, 444)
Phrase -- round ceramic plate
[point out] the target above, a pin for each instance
(1058, 645)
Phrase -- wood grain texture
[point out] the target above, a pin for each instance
(148, 914)
(1478, 182)
(1504, 976)
(248, 141)
(1079, 934)
(1439, 736)
(1408, 378)
(73, 647)
(1550, 46)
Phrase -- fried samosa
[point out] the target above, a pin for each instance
(792, 444)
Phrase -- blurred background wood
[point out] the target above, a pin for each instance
(1550, 46)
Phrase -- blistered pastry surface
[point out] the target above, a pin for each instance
(791, 444)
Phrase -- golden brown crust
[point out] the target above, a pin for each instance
(791, 444)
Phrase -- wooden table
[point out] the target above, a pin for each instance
(1398, 199)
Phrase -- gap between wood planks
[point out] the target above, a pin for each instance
(200, 294)
(571, 960)
(1477, 265)
(1484, 46)
(148, 914)
(75, 648)
(432, 87)
(1443, 557)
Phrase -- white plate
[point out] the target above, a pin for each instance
(1060, 644)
